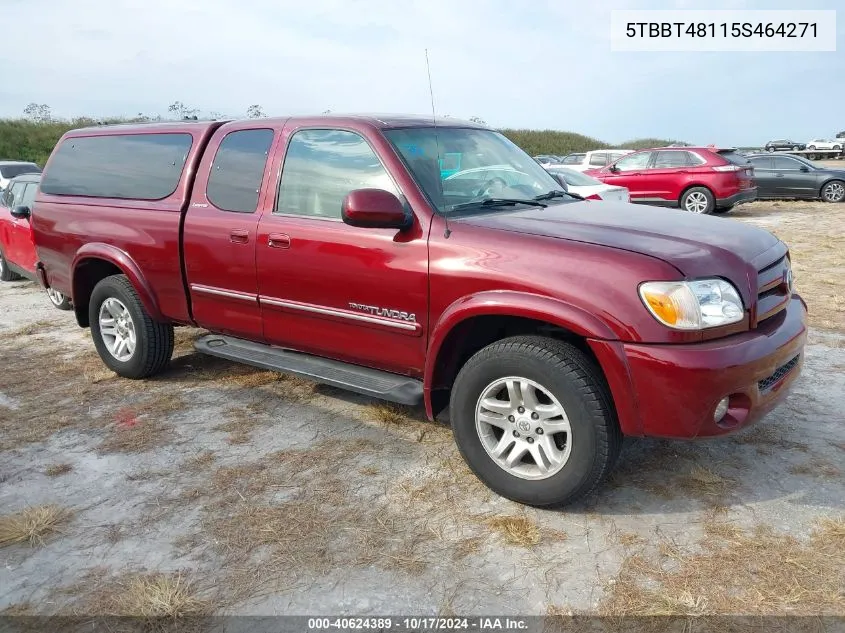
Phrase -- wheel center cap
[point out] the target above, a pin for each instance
(524, 426)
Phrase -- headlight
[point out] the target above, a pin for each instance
(692, 305)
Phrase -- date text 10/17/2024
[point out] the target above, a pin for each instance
(418, 624)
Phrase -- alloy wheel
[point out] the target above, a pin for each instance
(117, 329)
(696, 202)
(834, 192)
(523, 428)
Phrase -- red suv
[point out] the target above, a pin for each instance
(696, 179)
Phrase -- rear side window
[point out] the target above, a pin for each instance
(735, 157)
(671, 159)
(238, 169)
(573, 159)
(599, 159)
(761, 162)
(128, 166)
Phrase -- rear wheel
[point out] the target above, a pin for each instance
(834, 191)
(58, 299)
(127, 339)
(698, 200)
(797, 149)
(533, 419)
(770, 149)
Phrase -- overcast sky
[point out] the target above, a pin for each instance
(514, 63)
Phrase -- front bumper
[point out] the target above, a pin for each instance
(740, 197)
(674, 389)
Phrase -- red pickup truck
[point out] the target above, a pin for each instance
(423, 262)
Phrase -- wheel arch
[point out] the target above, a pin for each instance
(474, 322)
(96, 261)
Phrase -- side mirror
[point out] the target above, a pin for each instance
(561, 182)
(375, 209)
(21, 212)
(613, 168)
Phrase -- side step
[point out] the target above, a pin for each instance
(363, 380)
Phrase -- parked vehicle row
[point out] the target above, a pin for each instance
(343, 249)
(796, 177)
(17, 246)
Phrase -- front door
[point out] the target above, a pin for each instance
(18, 241)
(793, 178)
(327, 288)
(221, 230)
(628, 172)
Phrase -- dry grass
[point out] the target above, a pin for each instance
(140, 437)
(817, 467)
(241, 422)
(733, 571)
(813, 232)
(516, 530)
(200, 461)
(147, 596)
(28, 330)
(33, 524)
(704, 483)
(388, 413)
(55, 470)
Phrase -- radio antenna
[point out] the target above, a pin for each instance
(448, 231)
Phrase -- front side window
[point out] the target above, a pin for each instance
(128, 166)
(782, 163)
(29, 194)
(574, 159)
(490, 166)
(18, 190)
(237, 170)
(322, 166)
(633, 162)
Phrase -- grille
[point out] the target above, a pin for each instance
(774, 288)
(780, 373)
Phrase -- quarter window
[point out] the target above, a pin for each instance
(321, 167)
(128, 166)
(238, 169)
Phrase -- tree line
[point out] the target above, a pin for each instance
(32, 137)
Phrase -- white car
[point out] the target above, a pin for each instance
(11, 168)
(588, 187)
(595, 159)
(821, 143)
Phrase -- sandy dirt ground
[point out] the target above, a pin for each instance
(217, 488)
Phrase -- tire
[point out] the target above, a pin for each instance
(6, 273)
(833, 191)
(796, 149)
(117, 300)
(811, 147)
(836, 147)
(569, 379)
(697, 200)
(58, 299)
(770, 149)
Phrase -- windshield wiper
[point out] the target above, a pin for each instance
(498, 202)
(558, 193)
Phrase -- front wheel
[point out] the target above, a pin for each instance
(770, 149)
(58, 299)
(127, 339)
(834, 191)
(811, 147)
(698, 200)
(533, 419)
(797, 149)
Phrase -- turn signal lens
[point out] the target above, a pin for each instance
(692, 305)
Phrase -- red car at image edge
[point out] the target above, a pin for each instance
(696, 179)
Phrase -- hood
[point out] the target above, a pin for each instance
(697, 245)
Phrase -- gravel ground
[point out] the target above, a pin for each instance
(254, 493)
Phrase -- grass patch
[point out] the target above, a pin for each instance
(516, 530)
(140, 437)
(148, 596)
(389, 413)
(757, 572)
(56, 470)
(32, 525)
(817, 467)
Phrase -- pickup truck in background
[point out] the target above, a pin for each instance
(337, 248)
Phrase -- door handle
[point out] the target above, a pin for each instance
(239, 236)
(778, 175)
(278, 240)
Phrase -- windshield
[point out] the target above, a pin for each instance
(456, 166)
(575, 178)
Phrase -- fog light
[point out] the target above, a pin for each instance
(721, 409)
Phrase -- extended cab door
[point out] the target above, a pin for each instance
(354, 294)
(221, 229)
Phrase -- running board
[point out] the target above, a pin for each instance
(363, 380)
